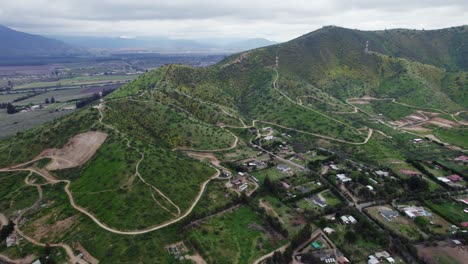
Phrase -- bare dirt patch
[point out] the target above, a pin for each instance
(44, 230)
(443, 252)
(78, 150)
(197, 259)
(88, 257)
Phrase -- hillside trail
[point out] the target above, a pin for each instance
(393, 100)
(100, 108)
(67, 248)
(356, 131)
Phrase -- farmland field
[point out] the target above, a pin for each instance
(450, 210)
(79, 81)
(400, 225)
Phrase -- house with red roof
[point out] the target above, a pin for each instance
(462, 158)
(410, 172)
(454, 178)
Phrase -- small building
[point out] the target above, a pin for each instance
(283, 168)
(456, 242)
(370, 187)
(414, 211)
(373, 260)
(462, 159)
(319, 201)
(382, 254)
(443, 179)
(269, 137)
(417, 140)
(334, 167)
(464, 200)
(352, 219)
(454, 178)
(285, 185)
(329, 230)
(37, 262)
(243, 187)
(390, 260)
(342, 260)
(382, 173)
(253, 178)
(10, 240)
(389, 215)
(303, 189)
(343, 178)
(238, 181)
(348, 219)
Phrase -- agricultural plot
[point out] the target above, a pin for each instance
(359, 247)
(399, 224)
(11, 124)
(239, 236)
(78, 81)
(59, 96)
(450, 210)
(289, 219)
(317, 203)
(442, 253)
(272, 172)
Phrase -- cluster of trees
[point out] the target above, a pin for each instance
(51, 101)
(86, 101)
(11, 109)
(7, 230)
(286, 256)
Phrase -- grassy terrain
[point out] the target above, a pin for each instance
(454, 136)
(450, 210)
(161, 124)
(230, 238)
(60, 95)
(273, 173)
(289, 219)
(15, 195)
(330, 198)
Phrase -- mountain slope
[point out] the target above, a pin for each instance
(19, 44)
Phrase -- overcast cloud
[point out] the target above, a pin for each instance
(275, 20)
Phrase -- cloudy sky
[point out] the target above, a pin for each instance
(197, 19)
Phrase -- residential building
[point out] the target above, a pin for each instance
(283, 168)
(382, 173)
(343, 178)
(329, 230)
(389, 215)
(319, 201)
(454, 178)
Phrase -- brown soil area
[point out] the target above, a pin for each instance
(444, 250)
(42, 229)
(88, 257)
(78, 150)
(197, 259)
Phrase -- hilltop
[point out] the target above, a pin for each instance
(19, 44)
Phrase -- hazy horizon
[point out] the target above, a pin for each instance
(182, 19)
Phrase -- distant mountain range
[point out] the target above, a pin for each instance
(19, 44)
(15, 44)
(162, 44)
